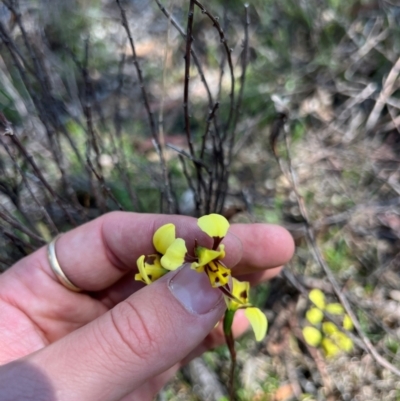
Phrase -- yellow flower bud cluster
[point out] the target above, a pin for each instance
(326, 334)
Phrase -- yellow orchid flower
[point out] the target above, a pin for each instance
(163, 238)
(347, 323)
(330, 338)
(329, 347)
(149, 272)
(335, 309)
(344, 342)
(258, 322)
(312, 336)
(314, 316)
(209, 260)
(239, 299)
(170, 255)
(214, 225)
(329, 328)
(317, 297)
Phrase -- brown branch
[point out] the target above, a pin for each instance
(17, 225)
(189, 40)
(208, 193)
(43, 103)
(245, 61)
(210, 118)
(196, 161)
(228, 52)
(196, 61)
(16, 240)
(125, 24)
(192, 52)
(105, 188)
(145, 96)
(39, 174)
(119, 149)
(387, 90)
(189, 181)
(31, 193)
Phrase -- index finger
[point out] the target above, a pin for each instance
(265, 246)
(97, 254)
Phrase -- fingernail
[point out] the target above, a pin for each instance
(193, 290)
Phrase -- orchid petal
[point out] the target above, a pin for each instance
(329, 328)
(196, 266)
(258, 322)
(335, 309)
(218, 274)
(164, 237)
(221, 251)
(317, 297)
(206, 255)
(175, 255)
(330, 348)
(347, 323)
(149, 272)
(214, 225)
(342, 341)
(240, 291)
(312, 336)
(314, 316)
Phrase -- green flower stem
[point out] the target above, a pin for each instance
(228, 321)
(230, 342)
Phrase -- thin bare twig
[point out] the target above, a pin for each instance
(187, 176)
(17, 241)
(31, 193)
(104, 186)
(17, 225)
(45, 104)
(116, 139)
(39, 174)
(161, 135)
(145, 96)
(228, 52)
(244, 62)
(385, 93)
(195, 160)
(189, 40)
(232, 137)
(192, 51)
(210, 118)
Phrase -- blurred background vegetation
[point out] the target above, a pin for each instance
(316, 79)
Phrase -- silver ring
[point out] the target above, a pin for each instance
(55, 266)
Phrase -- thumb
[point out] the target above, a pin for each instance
(138, 339)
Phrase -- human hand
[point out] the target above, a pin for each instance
(117, 340)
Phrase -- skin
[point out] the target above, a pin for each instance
(118, 339)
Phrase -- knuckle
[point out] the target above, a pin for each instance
(132, 328)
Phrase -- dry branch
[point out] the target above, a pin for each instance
(145, 96)
(386, 92)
